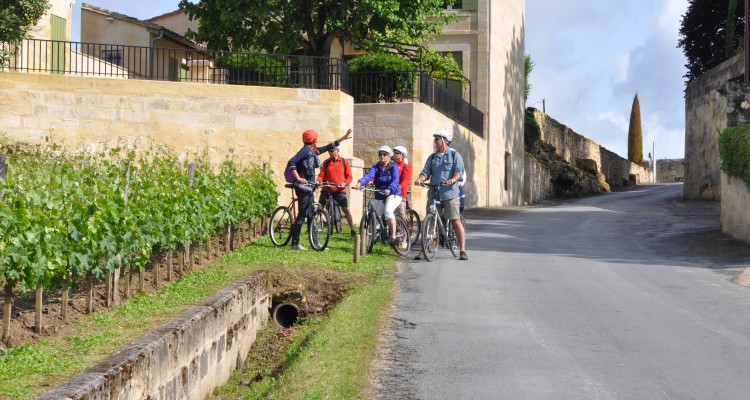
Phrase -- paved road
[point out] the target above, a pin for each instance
(621, 296)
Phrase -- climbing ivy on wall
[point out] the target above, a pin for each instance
(734, 149)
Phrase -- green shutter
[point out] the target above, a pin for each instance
(470, 5)
(58, 31)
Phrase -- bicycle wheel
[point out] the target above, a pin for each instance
(319, 230)
(429, 237)
(336, 220)
(402, 234)
(414, 224)
(372, 231)
(452, 240)
(280, 227)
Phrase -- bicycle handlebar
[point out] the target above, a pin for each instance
(442, 183)
(366, 189)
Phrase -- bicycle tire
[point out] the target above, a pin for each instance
(280, 227)
(452, 240)
(319, 230)
(371, 232)
(336, 220)
(415, 225)
(429, 237)
(402, 234)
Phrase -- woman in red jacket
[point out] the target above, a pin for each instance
(337, 170)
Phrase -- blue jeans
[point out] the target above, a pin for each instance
(304, 202)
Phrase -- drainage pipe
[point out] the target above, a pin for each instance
(285, 314)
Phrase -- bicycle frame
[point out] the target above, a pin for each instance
(433, 234)
(382, 231)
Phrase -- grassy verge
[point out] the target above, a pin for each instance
(31, 370)
(328, 357)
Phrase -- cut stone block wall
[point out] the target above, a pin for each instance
(705, 118)
(735, 207)
(186, 358)
(251, 123)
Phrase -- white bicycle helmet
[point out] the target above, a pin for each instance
(385, 149)
(444, 134)
(402, 150)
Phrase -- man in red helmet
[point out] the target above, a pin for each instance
(302, 166)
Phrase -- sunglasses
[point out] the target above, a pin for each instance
(382, 154)
(396, 153)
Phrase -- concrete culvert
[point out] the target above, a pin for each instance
(285, 314)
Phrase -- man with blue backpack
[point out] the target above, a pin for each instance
(446, 166)
(385, 174)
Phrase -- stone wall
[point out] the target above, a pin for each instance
(735, 204)
(705, 118)
(537, 185)
(256, 124)
(575, 147)
(411, 125)
(670, 170)
(186, 358)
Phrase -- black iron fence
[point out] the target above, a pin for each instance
(409, 86)
(221, 67)
(179, 65)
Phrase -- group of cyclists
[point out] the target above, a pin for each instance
(391, 175)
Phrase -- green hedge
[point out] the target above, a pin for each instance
(734, 148)
(532, 133)
(381, 77)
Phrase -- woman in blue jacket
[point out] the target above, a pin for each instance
(385, 175)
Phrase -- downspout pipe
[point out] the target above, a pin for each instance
(151, 55)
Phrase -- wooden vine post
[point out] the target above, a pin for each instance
(38, 307)
(7, 308)
(8, 300)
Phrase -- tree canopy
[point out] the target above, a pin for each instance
(18, 16)
(703, 34)
(310, 26)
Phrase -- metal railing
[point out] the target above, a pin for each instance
(411, 86)
(179, 65)
(221, 67)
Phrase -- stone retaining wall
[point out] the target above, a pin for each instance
(735, 207)
(186, 358)
(705, 118)
(574, 147)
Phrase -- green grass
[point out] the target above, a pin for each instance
(33, 369)
(329, 358)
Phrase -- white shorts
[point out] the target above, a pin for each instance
(390, 204)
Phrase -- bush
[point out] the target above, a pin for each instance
(734, 149)
(532, 133)
(381, 77)
(253, 69)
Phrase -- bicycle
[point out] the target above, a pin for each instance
(282, 219)
(332, 208)
(413, 222)
(377, 229)
(435, 231)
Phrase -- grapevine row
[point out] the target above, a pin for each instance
(76, 216)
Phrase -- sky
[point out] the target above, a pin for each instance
(590, 58)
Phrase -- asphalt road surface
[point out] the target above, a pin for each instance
(626, 295)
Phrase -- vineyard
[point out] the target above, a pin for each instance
(69, 220)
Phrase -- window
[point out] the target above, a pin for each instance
(112, 56)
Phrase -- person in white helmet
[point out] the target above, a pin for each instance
(399, 157)
(446, 166)
(385, 174)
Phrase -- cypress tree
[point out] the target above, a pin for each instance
(635, 134)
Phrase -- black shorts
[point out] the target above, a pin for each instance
(338, 197)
